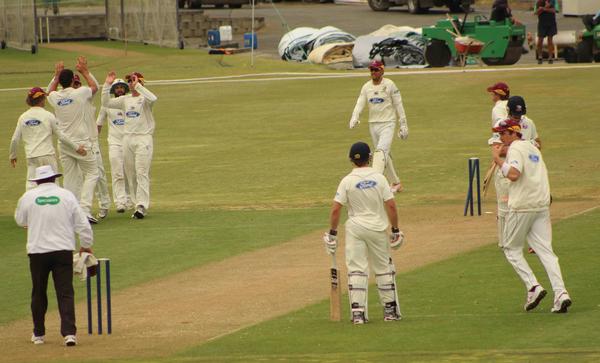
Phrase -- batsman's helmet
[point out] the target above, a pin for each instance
(119, 82)
(516, 106)
(376, 65)
(501, 89)
(360, 152)
(508, 124)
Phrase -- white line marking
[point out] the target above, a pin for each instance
(293, 76)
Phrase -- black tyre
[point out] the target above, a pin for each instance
(437, 53)
(33, 49)
(585, 50)
(414, 7)
(511, 56)
(379, 5)
(570, 55)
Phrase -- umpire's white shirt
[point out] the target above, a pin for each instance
(52, 216)
(71, 107)
(531, 192)
(363, 192)
(138, 110)
(384, 99)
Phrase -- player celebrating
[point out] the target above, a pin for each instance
(385, 105)
(116, 123)
(528, 215)
(70, 106)
(371, 208)
(137, 138)
(36, 127)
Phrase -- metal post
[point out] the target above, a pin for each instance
(478, 187)
(108, 299)
(469, 190)
(88, 283)
(99, 296)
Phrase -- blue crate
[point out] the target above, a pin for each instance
(213, 37)
(248, 40)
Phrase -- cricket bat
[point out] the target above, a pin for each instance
(487, 180)
(335, 309)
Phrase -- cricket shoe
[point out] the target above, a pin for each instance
(358, 317)
(121, 209)
(70, 340)
(140, 212)
(396, 188)
(37, 340)
(102, 213)
(534, 296)
(390, 312)
(562, 303)
(91, 219)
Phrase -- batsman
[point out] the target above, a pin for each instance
(385, 106)
(371, 209)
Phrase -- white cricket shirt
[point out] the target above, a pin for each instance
(499, 111)
(364, 192)
(35, 127)
(71, 107)
(138, 110)
(52, 216)
(384, 100)
(531, 192)
(501, 184)
(116, 124)
(528, 129)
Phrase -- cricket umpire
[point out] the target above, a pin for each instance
(385, 106)
(52, 216)
(371, 208)
(528, 214)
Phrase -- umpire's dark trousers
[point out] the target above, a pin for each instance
(60, 263)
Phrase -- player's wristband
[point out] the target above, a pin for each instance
(505, 168)
(395, 230)
(333, 232)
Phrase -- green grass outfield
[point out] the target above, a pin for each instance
(240, 166)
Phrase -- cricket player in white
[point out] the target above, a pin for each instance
(500, 93)
(116, 123)
(371, 208)
(501, 185)
(71, 106)
(528, 215)
(385, 106)
(516, 111)
(137, 138)
(36, 127)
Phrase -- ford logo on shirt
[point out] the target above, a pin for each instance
(376, 100)
(32, 122)
(534, 158)
(132, 114)
(119, 122)
(65, 102)
(366, 184)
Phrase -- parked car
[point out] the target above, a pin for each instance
(421, 6)
(196, 4)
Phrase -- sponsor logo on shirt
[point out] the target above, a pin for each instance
(534, 158)
(366, 184)
(32, 122)
(65, 102)
(119, 122)
(132, 114)
(47, 200)
(376, 100)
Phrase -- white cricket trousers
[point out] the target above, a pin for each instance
(117, 171)
(382, 134)
(73, 164)
(34, 163)
(364, 247)
(536, 228)
(137, 151)
(101, 186)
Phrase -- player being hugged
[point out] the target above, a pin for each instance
(371, 208)
(385, 106)
(137, 136)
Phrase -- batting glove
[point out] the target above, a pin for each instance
(330, 240)
(396, 238)
(403, 132)
(354, 123)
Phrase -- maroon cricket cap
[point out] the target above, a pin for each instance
(376, 65)
(36, 92)
(508, 124)
(500, 88)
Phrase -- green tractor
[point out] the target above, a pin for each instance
(502, 41)
(588, 49)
